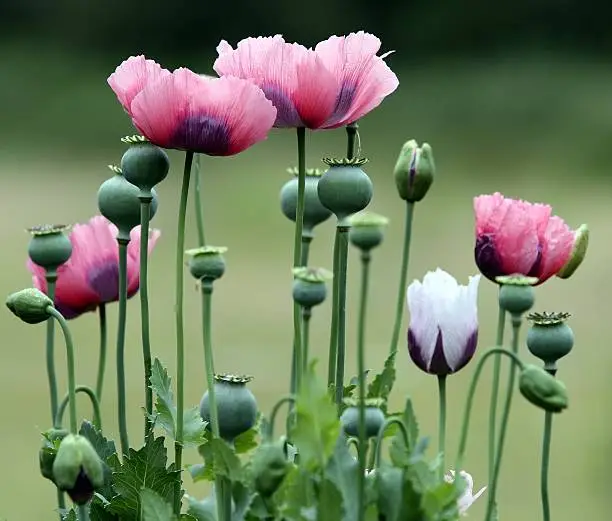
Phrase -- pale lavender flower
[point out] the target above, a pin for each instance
(468, 497)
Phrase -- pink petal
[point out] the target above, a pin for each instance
(557, 245)
(133, 75)
(490, 211)
(516, 240)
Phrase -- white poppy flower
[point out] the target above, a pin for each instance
(443, 330)
(468, 497)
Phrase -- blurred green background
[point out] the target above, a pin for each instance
(514, 97)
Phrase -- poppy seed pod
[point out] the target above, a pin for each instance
(309, 287)
(414, 171)
(207, 262)
(374, 417)
(516, 294)
(144, 164)
(314, 212)
(549, 338)
(30, 305)
(367, 230)
(49, 247)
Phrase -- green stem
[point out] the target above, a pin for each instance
(442, 422)
(372, 453)
(198, 202)
(341, 318)
(363, 440)
(353, 442)
(95, 404)
(381, 433)
(61, 502)
(220, 487)
(83, 513)
(102, 354)
(472, 391)
(333, 334)
(51, 278)
(290, 399)
(297, 253)
(145, 214)
(180, 341)
(401, 296)
(499, 340)
(351, 131)
(121, 412)
(69, 364)
(306, 314)
(545, 463)
(516, 325)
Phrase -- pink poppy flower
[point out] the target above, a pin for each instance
(91, 275)
(514, 236)
(335, 84)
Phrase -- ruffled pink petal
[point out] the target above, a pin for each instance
(219, 116)
(516, 240)
(133, 264)
(364, 79)
(490, 211)
(557, 245)
(132, 76)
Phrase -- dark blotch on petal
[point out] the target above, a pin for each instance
(416, 352)
(438, 364)
(69, 312)
(104, 280)
(286, 114)
(486, 257)
(83, 489)
(537, 265)
(202, 134)
(468, 352)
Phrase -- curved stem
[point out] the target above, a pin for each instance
(351, 131)
(401, 296)
(121, 412)
(95, 404)
(341, 320)
(354, 442)
(197, 195)
(51, 278)
(145, 214)
(363, 439)
(333, 333)
(499, 340)
(472, 391)
(102, 354)
(442, 422)
(545, 463)
(290, 399)
(306, 314)
(516, 325)
(69, 364)
(83, 513)
(180, 341)
(381, 433)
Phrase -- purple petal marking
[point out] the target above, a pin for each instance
(344, 100)
(486, 257)
(104, 280)
(537, 265)
(286, 114)
(438, 364)
(468, 352)
(203, 134)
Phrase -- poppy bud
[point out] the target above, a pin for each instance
(414, 171)
(207, 262)
(542, 389)
(47, 453)
(581, 244)
(269, 466)
(30, 305)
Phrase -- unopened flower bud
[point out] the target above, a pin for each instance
(414, 171)
(49, 246)
(30, 305)
(48, 451)
(549, 338)
(542, 389)
(309, 288)
(516, 294)
(581, 244)
(207, 262)
(269, 467)
(77, 468)
(367, 230)
(144, 164)
(374, 417)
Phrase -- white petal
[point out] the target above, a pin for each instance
(422, 320)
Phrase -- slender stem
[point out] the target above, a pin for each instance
(69, 364)
(516, 325)
(401, 296)
(197, 195)
(499, 340)
(178, 310)
(121, 412)
(306, 314)
(351, 131)
(363, 440)
(145, 214)
(341, 320)
(442, 422)
(545, 463)
(381, 433)
(220, 487)
(333, 334)
(95, 404)
(290, 399)
(61, 502)
(372, 454)
(353, 442)
(83, 513)
(305, 254)
(51, 278)
(102, 353)
(472, 391)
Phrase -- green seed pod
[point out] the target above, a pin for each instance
(516, 294)
(236, 406)
(367, 230)
(542, 389)
(374, 417)
(414, 171)
(144, 164)
(30, 305)
(207, 262)
(77, 468)
(309, 288)
(549, 338)
(314, 212)
(581, 244)
(269, 467)
(345, 188)
(118, 201)
(49, 246)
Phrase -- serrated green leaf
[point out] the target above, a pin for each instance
(98, 509)
(71, 515)
(194, 428)
(295, 497)
(440, 502)
(329, 502)
(400, 453)
(145, 468)
(204, 510)
(105, 449)
(317, 426)
(343, 471)
(220, 459)
(154, 507)
(249, 440)
(383, 382)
